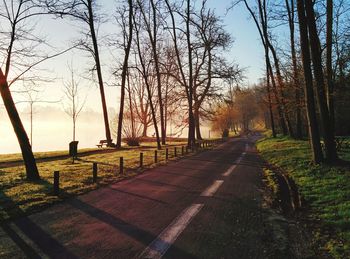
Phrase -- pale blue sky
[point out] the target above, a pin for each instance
(246, 49)
(52, 128)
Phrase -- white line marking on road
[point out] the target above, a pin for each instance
(229, 171)
(212, 188)
(233, 167)
(161, 244)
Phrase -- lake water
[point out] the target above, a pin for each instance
(52, 135)
(52, 130)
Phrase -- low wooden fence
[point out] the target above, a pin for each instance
(143, 160)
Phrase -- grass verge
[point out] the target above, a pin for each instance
(325, 189)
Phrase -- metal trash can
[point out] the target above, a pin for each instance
(73, 149)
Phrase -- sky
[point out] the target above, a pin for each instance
(52, 127)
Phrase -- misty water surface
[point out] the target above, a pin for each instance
(52, 130)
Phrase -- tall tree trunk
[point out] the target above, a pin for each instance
(153, 115)
(156, 64)
(73, 129)
(299, 126)
(281, 118)
(121, 113)
(191, 120)
(132, 117)
(197, 119)
(148, 88)
(124, 75)
(328, 134)
(191, 125)
(166, 101)
(329, 70)
(99, 73)
(22, 137)
(188, 84)
(272, 120)
(198, 102)
(291, 20)
(281, 91)
(144, 131)
(31, 124)
(313, 130)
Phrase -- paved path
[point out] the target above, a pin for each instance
(206, 206)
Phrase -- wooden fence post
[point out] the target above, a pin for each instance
(182, 151)
(175, 152)
(141, 159)
(155, 156)
(94, 172)
(121, 165)
(56, 183)
(166, 154)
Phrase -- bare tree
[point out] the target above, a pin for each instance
(172, 92)
(21, 55)
(31, 92)
(329, 64)
(268, 89)
(314, 135)
(73, 104)
(281, 85)
(290, 6)
(127, 31)
(328, 131)
(85, 11)
(210, 65)
(15, 15)
(140, 100)
(184, 78)
(151, 19)
(261, 22)
(145, 72)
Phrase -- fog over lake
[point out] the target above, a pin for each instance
(52, 129)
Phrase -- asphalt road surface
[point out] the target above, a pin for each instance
(204, 206)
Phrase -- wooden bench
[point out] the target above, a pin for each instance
(102, 142)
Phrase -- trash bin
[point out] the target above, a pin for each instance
(73, 149)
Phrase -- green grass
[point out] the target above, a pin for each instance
(326, 190)
(18, 157)
(19, 197)
(270, 181)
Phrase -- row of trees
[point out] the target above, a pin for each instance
(172, 62)
(240, 111)
(176, 51)
(308, 78)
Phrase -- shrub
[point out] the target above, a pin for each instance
(133, 141)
